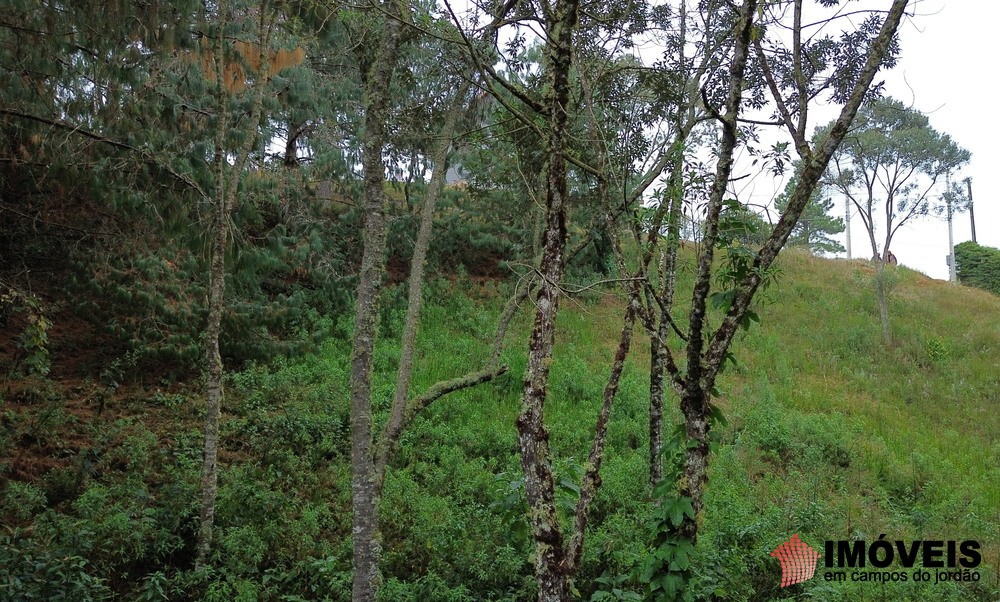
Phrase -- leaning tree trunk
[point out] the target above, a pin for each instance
(439, 159)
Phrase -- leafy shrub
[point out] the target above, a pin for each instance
(33, 342)
(978, 266)
(936, 350)
(33, 570)
(21, 500)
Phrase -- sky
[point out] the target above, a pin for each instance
(947, 72)
(944, 71)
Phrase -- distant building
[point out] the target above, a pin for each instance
(455, 176)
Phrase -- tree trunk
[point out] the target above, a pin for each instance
(213, 383)
(225, 199)
(396, 422)
(216, 296)
(532, 435)
(882, 294)
(695, 400)
(658, 343)
(657, 363)
(364, 489)
(592, 476)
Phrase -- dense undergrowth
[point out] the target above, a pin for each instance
(829, 435)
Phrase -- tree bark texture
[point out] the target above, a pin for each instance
(658, 342)
(364, 488)
(694, 401)
(656, 398)
(533, 437)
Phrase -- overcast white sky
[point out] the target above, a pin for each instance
(946, 71)
(948, 63)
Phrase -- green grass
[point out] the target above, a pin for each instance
(844, 438)
(830, 435)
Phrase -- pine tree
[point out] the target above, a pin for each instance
(815, 225)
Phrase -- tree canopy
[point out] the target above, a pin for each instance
(890, 166)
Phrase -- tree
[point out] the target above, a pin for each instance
(364, 492)
(814, 228)
(888, 167)
(813, 65)
(223, 198)
(650, 116)
(553, 586)
(370, 456)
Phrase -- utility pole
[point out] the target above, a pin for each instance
(972, 216)
(847, 224)
(951, 246)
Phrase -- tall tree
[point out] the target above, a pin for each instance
(683, 74)
(226, 184)
(364, 493)
(793, 76)
(587, 93)
(561, 19)
(888, 168)
(370, 457)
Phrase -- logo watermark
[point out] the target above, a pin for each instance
(956, 559)
(798, 561)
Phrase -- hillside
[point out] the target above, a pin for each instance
(829, 435)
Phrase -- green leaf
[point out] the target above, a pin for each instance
(682, 555)
(716, 415)
(567, 484)
(722, 299)
(749, 317)
(680, 508)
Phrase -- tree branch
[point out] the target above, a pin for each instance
(71, 128)
(815, 165)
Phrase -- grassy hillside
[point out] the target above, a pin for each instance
(829, 435)
(835, 436)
